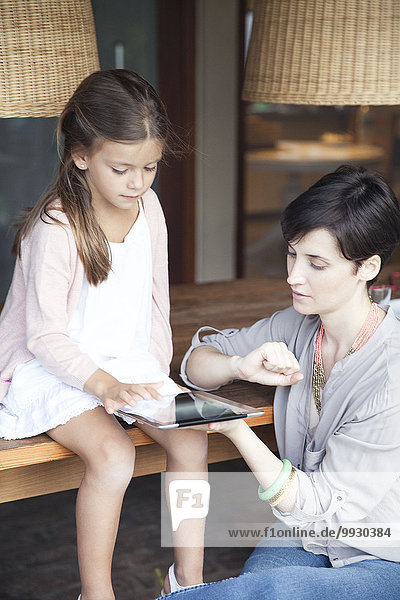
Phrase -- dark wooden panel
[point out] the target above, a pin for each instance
(176, 36)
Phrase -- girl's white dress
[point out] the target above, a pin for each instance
(111, 324)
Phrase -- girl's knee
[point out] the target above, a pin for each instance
(113, 462)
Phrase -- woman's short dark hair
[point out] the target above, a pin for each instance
(357, 206)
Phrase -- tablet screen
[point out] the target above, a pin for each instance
(188, 408)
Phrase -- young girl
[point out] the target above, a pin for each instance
(85, 326)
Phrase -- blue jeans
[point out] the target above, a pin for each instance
(291, 573)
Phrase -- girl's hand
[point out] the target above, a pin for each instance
(121, 394)
(270, 364)
(183, 388)
(115, 394)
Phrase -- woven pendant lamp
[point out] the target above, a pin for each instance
(46, 48)
(328, 52)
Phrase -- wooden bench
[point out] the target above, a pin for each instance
(38, 465)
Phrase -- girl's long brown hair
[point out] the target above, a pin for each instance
(116, 105)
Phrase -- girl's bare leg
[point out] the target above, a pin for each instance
(109, 455)
(186, 459)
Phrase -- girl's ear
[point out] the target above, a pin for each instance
(370, 268)
(79, 156)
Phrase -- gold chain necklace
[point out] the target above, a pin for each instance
(318, 374)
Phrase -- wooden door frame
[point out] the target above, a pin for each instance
(177, 87)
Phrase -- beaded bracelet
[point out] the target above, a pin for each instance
(278, 497)
(278, 483)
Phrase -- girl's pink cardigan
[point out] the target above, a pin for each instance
(44, 292)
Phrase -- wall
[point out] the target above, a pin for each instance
(217, 26)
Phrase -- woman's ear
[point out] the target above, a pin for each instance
(370, 268)
(79, 156)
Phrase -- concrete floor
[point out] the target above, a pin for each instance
(38, 554)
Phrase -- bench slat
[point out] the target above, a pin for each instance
(66, 474)
(42, 449)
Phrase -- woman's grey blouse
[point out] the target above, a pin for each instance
(349, 466)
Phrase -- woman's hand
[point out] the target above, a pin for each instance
(228, 428)
(114, 394)
(270, 364)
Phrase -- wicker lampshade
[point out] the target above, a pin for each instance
(46, 48)
(328, 52)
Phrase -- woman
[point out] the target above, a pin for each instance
(335, 357)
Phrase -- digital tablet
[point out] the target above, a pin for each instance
(186, 409)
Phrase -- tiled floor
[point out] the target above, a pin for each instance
(38, 555)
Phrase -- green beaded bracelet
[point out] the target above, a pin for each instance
(278, 483)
